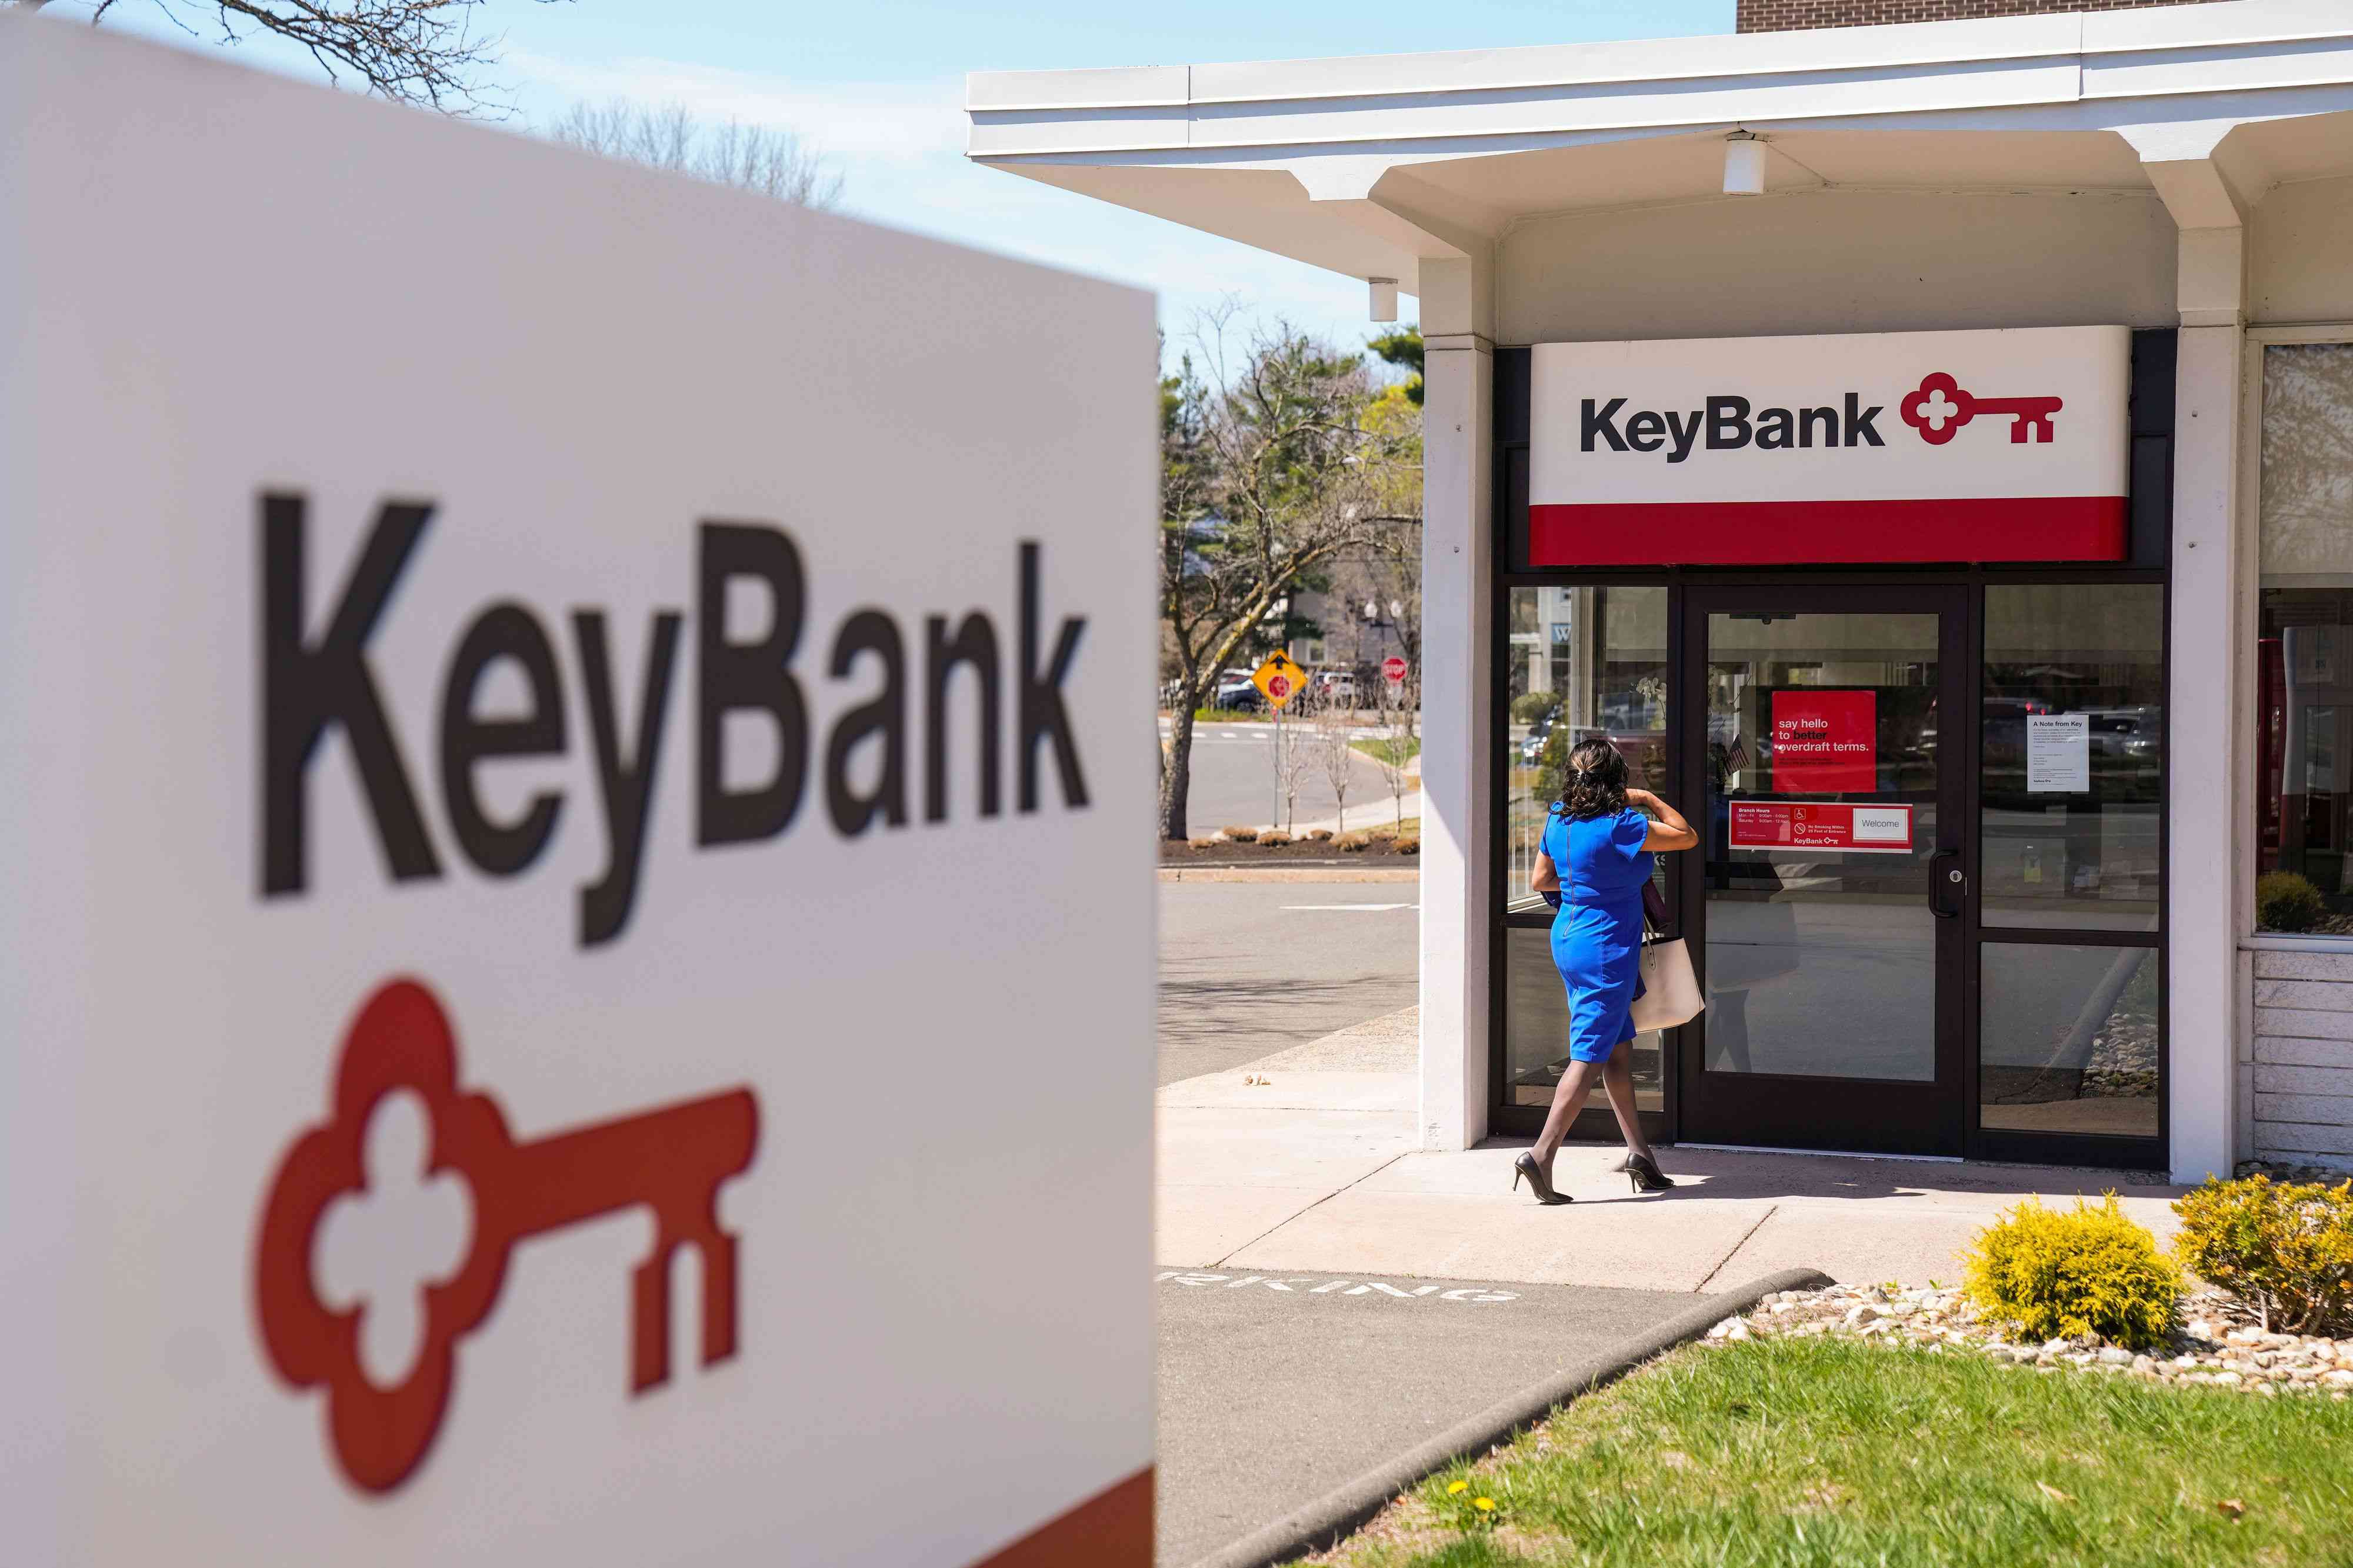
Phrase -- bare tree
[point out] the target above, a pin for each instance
(1335, 752)
(760, 158)
(1268, 476)
(424, 52)
(1294, 751)
(1395, 748)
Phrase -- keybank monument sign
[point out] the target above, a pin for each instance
(578, 976)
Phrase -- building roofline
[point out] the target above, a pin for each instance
(2010, 63)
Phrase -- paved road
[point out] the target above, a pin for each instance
(1233, 783)
(1248, 969)
(1269, 1399)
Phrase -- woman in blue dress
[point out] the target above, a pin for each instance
(1595, 858)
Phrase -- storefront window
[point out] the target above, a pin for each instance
(1580, 662)
(2070, 1039)
(2305, 653)
(2073, 755)
(1536, 1029)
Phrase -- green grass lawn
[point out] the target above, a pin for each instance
(1378, 748)
(1829, 1454)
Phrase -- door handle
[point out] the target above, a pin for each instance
(1947, 885)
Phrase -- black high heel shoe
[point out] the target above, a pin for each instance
(1644, 1173)
(1525, 1165)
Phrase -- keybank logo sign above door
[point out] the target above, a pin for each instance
(1991, 445)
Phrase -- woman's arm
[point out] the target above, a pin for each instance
(1667, 829)
(1542, 876)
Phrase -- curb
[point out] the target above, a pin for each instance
(1332, 1516)
(1287, 874)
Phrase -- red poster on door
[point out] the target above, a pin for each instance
(1825, 741)
(1821, 825)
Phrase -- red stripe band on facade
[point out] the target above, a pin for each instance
(1110, 1529)
(1808, 532)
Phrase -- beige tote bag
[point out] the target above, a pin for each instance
(1670, 990)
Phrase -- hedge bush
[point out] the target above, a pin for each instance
(1552, 765)
(1531, 706)
(2064, 1275)
(1273, 840)
(2286, 1246)
(1241, 835)
(2286, 902)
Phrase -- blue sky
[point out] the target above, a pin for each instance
(880, 87)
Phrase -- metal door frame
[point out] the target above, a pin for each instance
(1859, 1115)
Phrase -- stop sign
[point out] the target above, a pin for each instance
(1277, 687)
(1393, 669)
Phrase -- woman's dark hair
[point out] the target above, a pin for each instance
(1596, 785)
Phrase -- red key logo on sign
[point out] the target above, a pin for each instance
(1940, 407)
(671, 1160)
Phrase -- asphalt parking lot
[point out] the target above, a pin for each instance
(1248, 969)
(1275, 1389)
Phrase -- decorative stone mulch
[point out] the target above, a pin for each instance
(2221, 1341)
(2318, 1175)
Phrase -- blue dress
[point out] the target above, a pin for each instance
(1597, 937)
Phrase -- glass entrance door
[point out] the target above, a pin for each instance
(1824, 743)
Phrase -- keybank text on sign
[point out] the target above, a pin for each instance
(311, 687)
(1923, 446)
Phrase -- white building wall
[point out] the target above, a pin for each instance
(2303, 1059)
(1839, 261)
(1458, 588)
(2302, 236)
(2207, 834)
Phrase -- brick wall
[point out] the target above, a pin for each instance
(2303, 1057)
(1786, 16)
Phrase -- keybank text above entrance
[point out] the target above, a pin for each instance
(312, 686)
(1974, 446)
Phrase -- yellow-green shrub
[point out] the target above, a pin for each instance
(1273, 840)
(1353, 843)
(1241, 835)
(1408, 844)
(2062, 1274)
(2284, 1247)
(2286, 902)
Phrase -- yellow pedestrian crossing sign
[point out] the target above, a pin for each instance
(1279, 679)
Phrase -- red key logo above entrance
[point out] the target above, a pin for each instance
(1940, 407)
(671, 1159)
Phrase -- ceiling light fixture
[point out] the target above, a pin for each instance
(1744, 165)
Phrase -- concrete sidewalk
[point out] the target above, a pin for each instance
(1317, 1170)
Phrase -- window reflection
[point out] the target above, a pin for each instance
(1821, 951)
(2073, 755)
(1580, 662)
(1536, 1029)
(2070, 1040)
(2305, 655)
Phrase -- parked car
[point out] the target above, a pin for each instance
(2127, 734)
(1235, 691)
(1336, 685)
(1532, 746)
